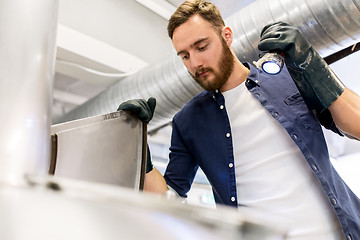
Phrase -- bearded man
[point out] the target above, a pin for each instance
(255, 135)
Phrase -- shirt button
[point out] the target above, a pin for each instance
(348, 237)
(232, 199)
(231, 165)
(334, 202)
(216, 90)
(295, 136)
(222, 107)
(314, 167)
(228, 135)
(276, 114)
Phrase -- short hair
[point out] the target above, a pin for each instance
(205, 9)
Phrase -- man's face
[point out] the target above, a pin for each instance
(204, 53)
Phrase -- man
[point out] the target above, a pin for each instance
(252, 133)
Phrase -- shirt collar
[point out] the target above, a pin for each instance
(254, 74)
(252, 78)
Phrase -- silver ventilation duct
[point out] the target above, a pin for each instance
(330, 25)
(27, 58)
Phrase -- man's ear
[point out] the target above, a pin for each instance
(227, 34)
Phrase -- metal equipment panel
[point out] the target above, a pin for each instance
(106, 149)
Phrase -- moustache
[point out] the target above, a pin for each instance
(201, 71)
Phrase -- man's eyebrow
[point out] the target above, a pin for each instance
(180, 52)
(193, 45)
(199, 41)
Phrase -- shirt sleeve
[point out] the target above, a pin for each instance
(327, 121)
(182, 168)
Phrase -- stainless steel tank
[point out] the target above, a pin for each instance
(58, 209)
(27, 57)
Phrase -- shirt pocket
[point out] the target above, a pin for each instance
(298, 106)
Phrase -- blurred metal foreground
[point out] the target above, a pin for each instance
(58, 209)
(109, 148)
(27, 59)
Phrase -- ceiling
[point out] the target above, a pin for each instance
(101, 41)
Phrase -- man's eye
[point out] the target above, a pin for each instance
(202, 48)
(185, 57)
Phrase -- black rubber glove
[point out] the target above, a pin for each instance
(149, 164)
(144, 110)
(316, 82)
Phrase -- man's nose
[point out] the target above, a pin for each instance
(196, 62)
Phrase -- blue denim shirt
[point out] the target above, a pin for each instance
(201, 138)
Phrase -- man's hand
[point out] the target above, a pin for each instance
(316, 82)
(284, 38)
(142, 109)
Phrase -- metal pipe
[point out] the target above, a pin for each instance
(330, 25)
(342, 54)
(27, 57)
(168, 81)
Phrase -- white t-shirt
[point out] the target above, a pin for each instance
(272, 175)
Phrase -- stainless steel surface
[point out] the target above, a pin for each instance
(330, 25)
(105, 149)
(63, 209)
(27, 55)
